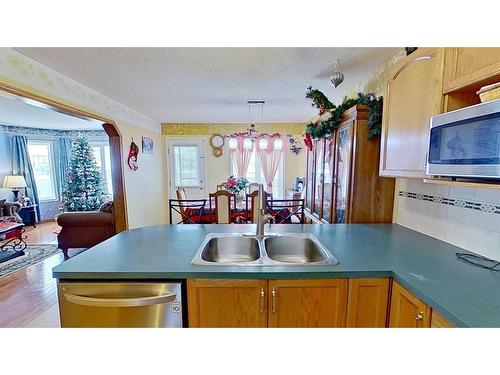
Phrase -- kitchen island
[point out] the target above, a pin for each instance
(465, 295)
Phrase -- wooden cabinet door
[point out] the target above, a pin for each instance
(367, 303)
(413, 93)
(227, 303)
(407, 311)
(438, 321)
(467, 66)
(307, 303)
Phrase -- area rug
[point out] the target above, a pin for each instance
(33, 254)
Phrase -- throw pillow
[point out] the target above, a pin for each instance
(107, 207)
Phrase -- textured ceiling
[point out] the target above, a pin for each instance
(17, 113)
(213, 84)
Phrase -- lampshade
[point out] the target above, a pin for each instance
(14, 182)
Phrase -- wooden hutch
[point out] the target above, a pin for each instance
(342, 180)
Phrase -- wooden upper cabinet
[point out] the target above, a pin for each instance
(468, 66)
(367, 303)
(224, 303)
(312, 303)
(438, 321)
(413, 93)
(407, 311)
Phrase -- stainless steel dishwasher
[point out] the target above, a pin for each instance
(120, 304)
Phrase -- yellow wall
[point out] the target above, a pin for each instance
(219, 169)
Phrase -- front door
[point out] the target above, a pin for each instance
(186, 165)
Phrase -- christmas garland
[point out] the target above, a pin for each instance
(324, 127)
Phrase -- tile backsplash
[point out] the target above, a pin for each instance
(463, 216)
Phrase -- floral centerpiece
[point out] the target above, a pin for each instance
(236, 185)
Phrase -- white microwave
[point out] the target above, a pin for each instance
(466, 142)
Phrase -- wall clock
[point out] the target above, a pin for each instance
(217, 141)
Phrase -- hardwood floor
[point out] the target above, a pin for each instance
(28, 293)
(28, 297)
(42, 234)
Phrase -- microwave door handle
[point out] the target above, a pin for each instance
(119, 302)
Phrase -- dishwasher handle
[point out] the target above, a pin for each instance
(119, 302)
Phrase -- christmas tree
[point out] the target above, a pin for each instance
(83, 189)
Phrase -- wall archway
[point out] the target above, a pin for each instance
(115, 145)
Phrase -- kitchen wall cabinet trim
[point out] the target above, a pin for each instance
(413, 93)
(407, 311)
(367, 304)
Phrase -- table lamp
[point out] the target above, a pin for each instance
(15, 183)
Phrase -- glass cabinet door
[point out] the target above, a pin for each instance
(319, 176)
(328, 179)
(342, 175)
(309, 179)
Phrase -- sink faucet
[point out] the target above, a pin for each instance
(262, 217)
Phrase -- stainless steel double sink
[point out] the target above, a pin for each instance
(271, 250)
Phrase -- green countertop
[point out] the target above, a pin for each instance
(464, 294)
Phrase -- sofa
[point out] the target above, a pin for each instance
(9, 211)
(84, 229)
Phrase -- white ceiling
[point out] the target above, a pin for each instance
(17, 113)
(213, 84)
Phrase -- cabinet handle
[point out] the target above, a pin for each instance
(118, 302)
(262, 295)
(419, 316)
(273, 293)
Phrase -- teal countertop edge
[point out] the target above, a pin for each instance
(467, 296)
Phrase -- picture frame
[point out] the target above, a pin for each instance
(147, 145)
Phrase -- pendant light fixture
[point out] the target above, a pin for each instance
(337, 77)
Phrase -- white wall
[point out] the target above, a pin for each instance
(471, 229)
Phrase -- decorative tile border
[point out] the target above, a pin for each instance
(462, 203)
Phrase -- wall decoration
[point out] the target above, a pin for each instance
(331, 115)
(295, 145)
(217, 141)
(147, 145)
(308, 141)
(132, 156)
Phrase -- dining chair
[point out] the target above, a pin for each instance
(190, 210)
(254, 186)
(225, 204)
(252, 204)
(286, 211)
(181, 196)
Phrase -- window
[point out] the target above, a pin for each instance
(42, 161)
(254, 173)
(186, 165)
(103, 159)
